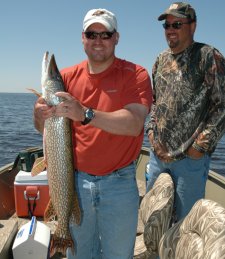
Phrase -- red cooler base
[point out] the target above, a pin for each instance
(31, 194)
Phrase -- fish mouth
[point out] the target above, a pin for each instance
(49, 68)
(52, 68)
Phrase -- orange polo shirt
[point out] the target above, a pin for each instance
(96, 151)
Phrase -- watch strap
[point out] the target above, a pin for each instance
(87, 119)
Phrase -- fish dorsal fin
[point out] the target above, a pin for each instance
(76, 212)
(39, 166)
(50, 213)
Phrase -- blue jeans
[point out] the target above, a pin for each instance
(189, 177)
(110, 211)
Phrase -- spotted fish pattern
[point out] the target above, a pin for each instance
(59, 159)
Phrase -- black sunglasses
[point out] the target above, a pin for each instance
(175, 25)
(105, 35)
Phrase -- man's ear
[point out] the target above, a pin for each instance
(193, 27)
(117, 37)
(82, 37)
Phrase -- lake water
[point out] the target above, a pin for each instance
(17, 131)
(16, 125)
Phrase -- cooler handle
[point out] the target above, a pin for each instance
(31, 193)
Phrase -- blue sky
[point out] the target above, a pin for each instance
(29, 28)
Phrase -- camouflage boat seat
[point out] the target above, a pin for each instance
(154, 217)
(201, 234)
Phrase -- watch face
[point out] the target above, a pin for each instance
(89, 114)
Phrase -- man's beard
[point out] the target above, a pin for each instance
(173, 44)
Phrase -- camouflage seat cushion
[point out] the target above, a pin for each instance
(201, 234)
(154, 216)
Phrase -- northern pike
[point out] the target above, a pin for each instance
(58, 152)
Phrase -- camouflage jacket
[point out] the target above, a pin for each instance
(189, 99)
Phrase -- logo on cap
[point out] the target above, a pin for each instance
(98, 13)
(173, 6)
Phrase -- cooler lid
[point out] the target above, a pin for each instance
(26, 177)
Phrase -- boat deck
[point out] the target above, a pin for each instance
(9, 228)
(10, 223)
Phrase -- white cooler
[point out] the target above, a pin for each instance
(32, 241)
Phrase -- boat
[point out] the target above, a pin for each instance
(10, 222)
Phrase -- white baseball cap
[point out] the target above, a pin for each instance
(103, 16)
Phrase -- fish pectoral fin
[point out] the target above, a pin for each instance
(34, 92)
(50, 212)
(38, 166)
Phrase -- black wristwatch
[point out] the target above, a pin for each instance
(88, 115)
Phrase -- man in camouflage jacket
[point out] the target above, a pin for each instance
(188, 115)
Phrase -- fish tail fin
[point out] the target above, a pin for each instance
(38, 166)
(59, 244)
(49, 213)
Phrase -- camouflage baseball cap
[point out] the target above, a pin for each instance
(181, 10)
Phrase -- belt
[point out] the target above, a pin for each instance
(112, 172)
(122, 167)
(173, 158)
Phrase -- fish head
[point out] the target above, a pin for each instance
(51, 80)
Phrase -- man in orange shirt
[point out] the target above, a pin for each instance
(108, 100)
